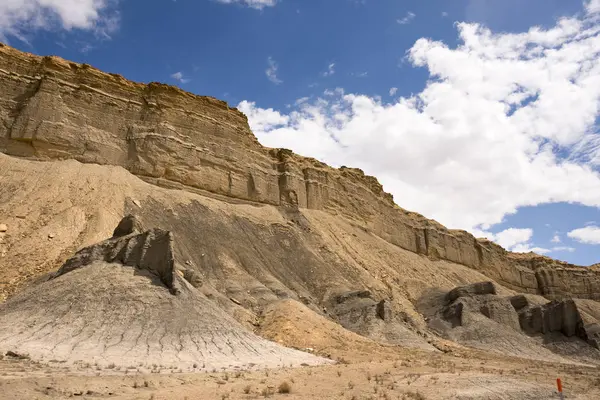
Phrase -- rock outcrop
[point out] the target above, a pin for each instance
(54, 109)
(151, 250)
(110, 306)
(465, 303)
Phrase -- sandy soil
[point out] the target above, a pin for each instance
(408, 374)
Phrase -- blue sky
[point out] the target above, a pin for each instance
(411, 91)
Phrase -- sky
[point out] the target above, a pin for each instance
(481, 114)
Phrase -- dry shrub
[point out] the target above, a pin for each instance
(284, 388)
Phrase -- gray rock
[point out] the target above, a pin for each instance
(474, 289)
(519, 302)
(128, 225)
(343, 297)
(556, 316)
(151, 250)
(384, 311)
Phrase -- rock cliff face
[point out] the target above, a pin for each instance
(54, 109)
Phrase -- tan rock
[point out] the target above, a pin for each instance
(54, 109)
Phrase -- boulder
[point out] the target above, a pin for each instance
(384, 310)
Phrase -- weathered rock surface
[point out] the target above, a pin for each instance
(54, 109)
(359, 312)
(476, 316)
(471, 290)
(151, 251)
(110, 306)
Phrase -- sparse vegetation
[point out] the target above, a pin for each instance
(284, 388)
(413, 396)
(247, 389)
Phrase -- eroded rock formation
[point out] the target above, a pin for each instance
(110, 305)
(54, 109)
(151, 250)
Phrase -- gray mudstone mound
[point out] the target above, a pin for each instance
(498, 309)
(112, 304)
(556, 316)
(471, 290)
(559, 316)
(359, 312)
(151, 250)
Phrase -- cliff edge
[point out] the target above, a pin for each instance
(52, 109)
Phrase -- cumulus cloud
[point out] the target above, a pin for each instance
(19, 18)
(393, 91)
(511, 237)
(556, 239)
(592, 6)
(256, 4)
(588, 235)
(330, 70)
(179, 77)
(407, 19)
(271, 71)
(504, 121)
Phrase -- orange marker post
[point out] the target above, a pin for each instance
(559, 386)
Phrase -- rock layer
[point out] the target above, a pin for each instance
(54, 109)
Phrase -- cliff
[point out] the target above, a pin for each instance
(54, 109)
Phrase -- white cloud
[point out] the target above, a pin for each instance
(271, 71)
(588, 235)
(526, 248)
(592, 6)
(264, 119)
(20, 18)
(256, 4)
(179, 77)
(393, 91)
(563, 248)
(556, 239)
(444, 14)
(512, 237)
(488, 134)
(330, 70)
(407, 19)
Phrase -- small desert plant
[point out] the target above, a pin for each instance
(414, 396)
(266, 392)
(284, 387)
(247, 389)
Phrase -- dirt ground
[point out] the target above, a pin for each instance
(406, 374)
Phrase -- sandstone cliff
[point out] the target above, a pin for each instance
(54, 109)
